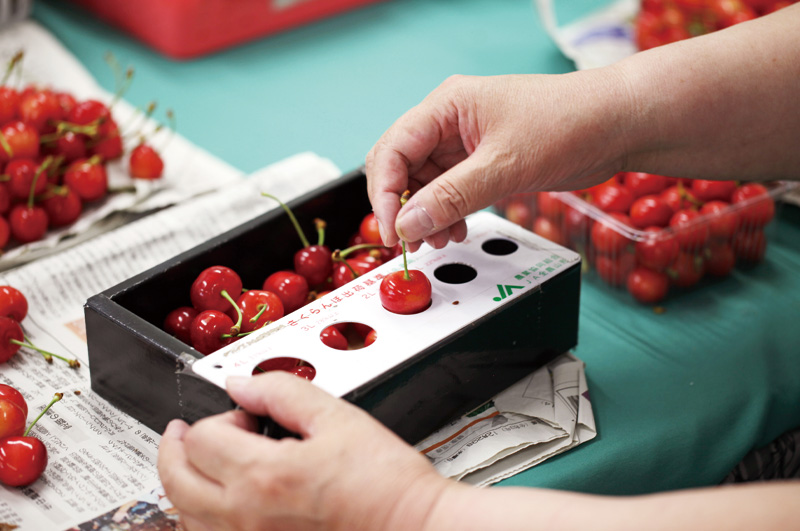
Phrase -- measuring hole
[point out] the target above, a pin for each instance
(499, 247)
(295, 366)
(455, 273)
(348, 336)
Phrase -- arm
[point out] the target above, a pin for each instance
(350, 472)
(721, 106)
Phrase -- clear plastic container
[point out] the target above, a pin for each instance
(653, 251)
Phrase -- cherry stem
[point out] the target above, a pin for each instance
(17, 59)
(6, 147)
(263, 308)
(4, 178)
(67, 127)
(42, 167)
(173, 125)
(123, 81)
(238, 325)
(403, 201)
(336, 256)
(359, 247)
(48, 356)
(288, 210)
(56, 398)
(321, 225)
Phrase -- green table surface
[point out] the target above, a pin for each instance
(678, 397)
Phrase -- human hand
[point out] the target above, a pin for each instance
(475, 140)
(347, 472)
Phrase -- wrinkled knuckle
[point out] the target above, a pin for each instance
(451, 201)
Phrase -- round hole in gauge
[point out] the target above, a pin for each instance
(455, 273)
(295, 366)
(499, 247)
(348, 336)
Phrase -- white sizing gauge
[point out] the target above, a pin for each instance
(497, 263)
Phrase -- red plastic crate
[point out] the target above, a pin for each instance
(183, 29)
(680, 257)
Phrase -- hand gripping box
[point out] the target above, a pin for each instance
(505, 302)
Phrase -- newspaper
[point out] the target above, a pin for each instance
(188, 170)
(541, 416)
(100, 459)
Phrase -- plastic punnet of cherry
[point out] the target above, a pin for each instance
(406, 291)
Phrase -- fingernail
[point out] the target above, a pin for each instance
(414, 224)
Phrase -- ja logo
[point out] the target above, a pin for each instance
(505, 291)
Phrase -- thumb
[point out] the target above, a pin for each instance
(467, 187)
(291, 401)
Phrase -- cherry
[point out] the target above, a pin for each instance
(14, 396)
(108, 141)
(405, 292)
(615, 269)
(87, 178)
(550, 206)
(679, 198)
(607, 238)
(290, 287)
(214, 288)
(5, 232)
(650, 210)
(211, 330)
(145, 162)
(723, 221)
(518, 211)
(648, 286)
(70, 145)
(23, 458)
(21, 176)
(549, 229)
(41, 109)
(372, 335)
(304, 371)
(18, 140)
(758, 208)
(691, 231)
(750, 245)
(277, 364)
(713, 190)
(89, 112)
(28, 223)
(13, 412)
(368, 229)
(641, 184)
(687, 270)
(348, 269)
(66, 101)
(13, 304)
(614, 198)
(332, 337)
(178, 323)
(9, 103)
(258, 307)
(5, 198)
(658, 250)
(720, 259)
(10, 337)
(313, 262)
(63, 206)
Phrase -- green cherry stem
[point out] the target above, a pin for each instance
(48, 356)
(36, 176)
(56, 398)
(321, 225)
(403, 201)
(359, 247)
(259, 314)
(288, 210)
(17, 59)
(336, 256)
(238, 325)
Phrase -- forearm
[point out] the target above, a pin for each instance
(753, 506)
(721, 106)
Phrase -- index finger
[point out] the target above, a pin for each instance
(402, 150)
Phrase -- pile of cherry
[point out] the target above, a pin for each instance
(53, 155)
(222, 311)
(655, 231)
(23, 458)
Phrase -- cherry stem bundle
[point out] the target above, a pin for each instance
(56, 398)
(238, 325)
(48, 356)
(296, 224)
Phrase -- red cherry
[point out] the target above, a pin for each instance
(290, 287)
(750, 245)
(550, 206)
(27, 223)
(517, 211)
(9, 103)
(304, 371)
(277, 364)
(615, 269)
(691, 231)
(642, 184)
(607, 238)
(343, 273)
(63, 206)
(549, 229)
(658, 250)
(758, 207)
(21, 176)
(720, 259)
(108, 142)
(209, 331)
(5, 232)
(679, 198)
(372, 335)
(12, 419)
(88, 112)
(647, 286)
(10, 331)
(19, 140)
(687, 270)
(88, 178)
(145, 163)
(71, 146)
(713, 190)
(178, 323)
(406, 295)
(13, 304)
(40, 109)
(66, 101)
(258, 308)
(576, 225)
(650, 211)
(332, 337)
(210, 287)
(613, 198)
(5, 198)
(723, 220)
(314, 263)
(22, 460)
(15, 397)
(369, 231)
